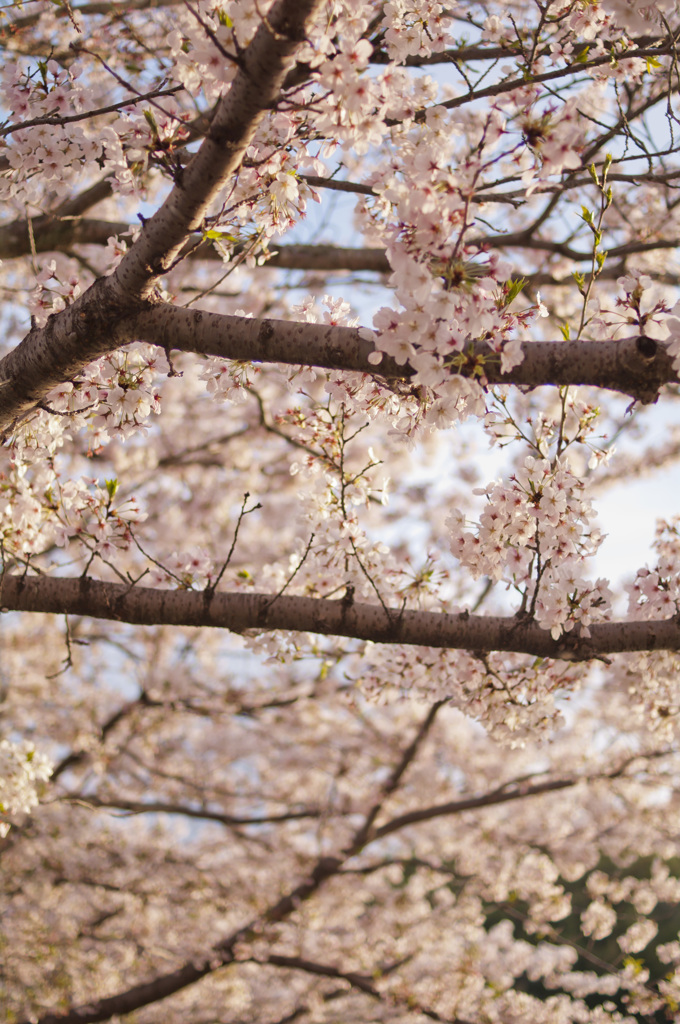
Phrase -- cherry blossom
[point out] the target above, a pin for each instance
(326, 325)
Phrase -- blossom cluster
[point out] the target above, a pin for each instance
(637, 15)
(22, 769)
(86, 512)
(228, 379)
(45, 153)
(119, 392)
(451, 294)
(112, 398)
(38, 510)
(138, 139)
(642, 309)
(512, 699)
(184, 570)
(534, 534)
(417, 28)
(655, 593)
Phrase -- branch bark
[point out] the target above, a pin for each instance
(91, 327)
(633, 366)
(60, 232)
(87, 328)
(238, 612)
(361, 982)
(52, 234)
(519, 789)
(254, 90)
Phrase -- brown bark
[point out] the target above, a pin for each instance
(238, 612)
(89, 327)
(633, 366)
(254, 90)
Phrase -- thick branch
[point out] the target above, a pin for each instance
(254, 90)
(51, 234)
(328, 258)
(60, 233)
(57, 234)
(634, 366)
(323, 257)
(262, 612)
(87, 328)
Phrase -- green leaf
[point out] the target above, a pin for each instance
(637, 964)
(111, 487)
(223, 236)
(580, 281)
(151, 121)
(565, 331)
(512, 288)
(582, 56)
(587, 215)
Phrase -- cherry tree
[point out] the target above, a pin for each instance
(305, 715)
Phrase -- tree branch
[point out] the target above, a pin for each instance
(104, 7)
(361, 982)
(365, 832)
(238, 612)
(509, 85)
(201, 813)
(88, 115)
(52, 234)
(93, 326)
(634, 366)
(61, 232)
(518, 789)
(88, 328)
(254, 90)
